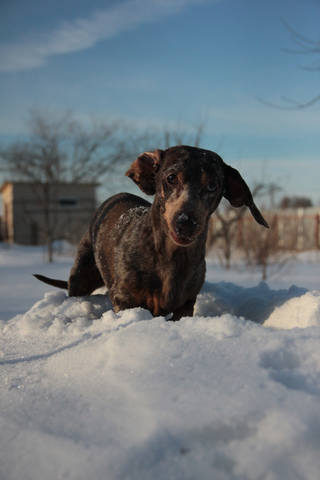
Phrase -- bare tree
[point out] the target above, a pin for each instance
(61, 149)
(304, 46)
(58, 150)
(263, 249)
(225, 229)
(179, 136)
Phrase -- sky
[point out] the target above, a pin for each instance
(167, 63)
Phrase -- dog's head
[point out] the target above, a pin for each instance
(189, 183)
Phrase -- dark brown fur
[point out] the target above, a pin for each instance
(153, 256)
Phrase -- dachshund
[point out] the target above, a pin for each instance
(153, 255)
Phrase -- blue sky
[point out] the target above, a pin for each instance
(167, 62)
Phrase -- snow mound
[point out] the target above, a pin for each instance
(255, 303)
(286, 308)
(57, 312)
(88, 393)
(299, 312)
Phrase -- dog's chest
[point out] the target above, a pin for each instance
(165, 287)
(151, 277)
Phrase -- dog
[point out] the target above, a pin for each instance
(153, 255)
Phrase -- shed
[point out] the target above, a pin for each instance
(34, 212)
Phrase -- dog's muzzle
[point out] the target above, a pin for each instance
(185, 228)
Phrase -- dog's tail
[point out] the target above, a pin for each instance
(52, 281)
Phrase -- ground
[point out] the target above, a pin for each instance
(232, 393)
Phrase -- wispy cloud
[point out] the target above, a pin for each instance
(84, 33)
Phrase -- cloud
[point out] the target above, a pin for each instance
(81, 34)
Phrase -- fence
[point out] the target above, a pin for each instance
(290, 230)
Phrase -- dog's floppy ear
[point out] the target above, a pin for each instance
(143, 171)
(238, 193)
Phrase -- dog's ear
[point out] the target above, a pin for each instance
(237, 192)
(143, 171)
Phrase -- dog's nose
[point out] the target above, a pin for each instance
(185, 224)
(183, 219)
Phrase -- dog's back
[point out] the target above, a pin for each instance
(116, 227)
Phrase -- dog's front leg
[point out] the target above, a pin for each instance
(186, 310)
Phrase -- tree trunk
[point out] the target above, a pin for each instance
(50, 250)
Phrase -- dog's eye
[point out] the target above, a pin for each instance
(172, 179)
(211, 187)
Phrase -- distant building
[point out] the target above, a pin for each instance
(32, 210)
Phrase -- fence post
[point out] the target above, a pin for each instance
(240, 232)
(317, 231)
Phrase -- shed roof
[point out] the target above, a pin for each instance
(7, 183)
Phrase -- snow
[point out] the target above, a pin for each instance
(232, 393)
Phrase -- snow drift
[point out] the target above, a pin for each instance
(232, 393)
